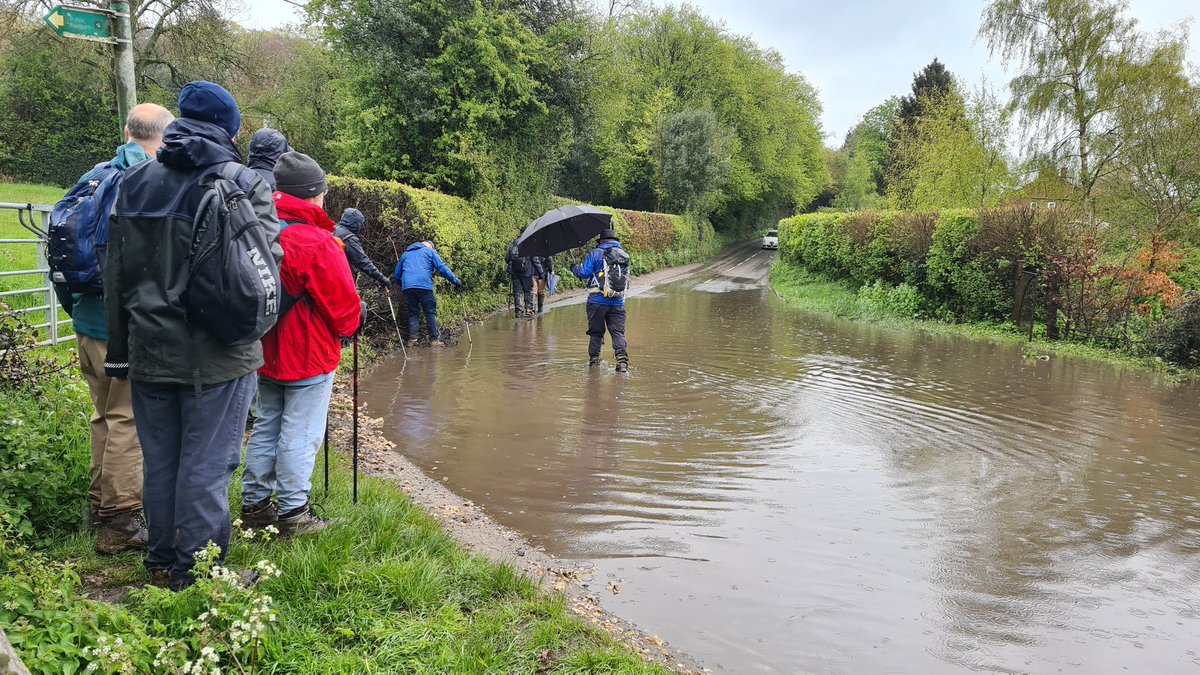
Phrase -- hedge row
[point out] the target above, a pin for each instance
(966, 265)
(473, 240)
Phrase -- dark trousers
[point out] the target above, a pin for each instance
(522, 293)
(601, 318)
(421, 301)
(191, 445)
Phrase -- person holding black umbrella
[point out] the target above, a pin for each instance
(606, 270)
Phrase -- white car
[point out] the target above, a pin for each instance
(771, 240)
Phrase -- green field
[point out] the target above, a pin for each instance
(15, 256)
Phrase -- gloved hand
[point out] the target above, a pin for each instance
(384, 283)
(117, 370)
(459, 286)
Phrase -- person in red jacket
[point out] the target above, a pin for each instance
(300, 355)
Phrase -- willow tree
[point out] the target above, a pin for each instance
(1073, 55)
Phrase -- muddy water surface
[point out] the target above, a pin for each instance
(773, 490)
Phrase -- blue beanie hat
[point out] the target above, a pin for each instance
(210, 102)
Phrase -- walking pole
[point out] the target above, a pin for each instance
(396, 322)
(354, 420)
(469, 340)
(326, 454)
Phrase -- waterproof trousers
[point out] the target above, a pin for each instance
(610, 318)
(522, 294)
(191, 445)
(283, 447)
(116, 453)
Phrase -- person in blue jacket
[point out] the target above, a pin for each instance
(415, 273)
(603, 313)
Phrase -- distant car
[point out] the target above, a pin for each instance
(771, 240)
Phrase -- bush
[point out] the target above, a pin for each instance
(899, 301)
(1177, 338)
(44, 444)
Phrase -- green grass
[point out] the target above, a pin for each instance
(24, 256)
(817, 293)
(388, 591)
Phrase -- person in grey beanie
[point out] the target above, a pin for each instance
(301, 354)
(347, 230)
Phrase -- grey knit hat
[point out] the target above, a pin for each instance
(298, 175)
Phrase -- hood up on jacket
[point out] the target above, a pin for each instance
(352, 220)
(191, 144)
(266, 147)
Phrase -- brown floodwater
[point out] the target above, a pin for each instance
(774, 490)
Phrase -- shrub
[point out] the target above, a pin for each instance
(899, 301)
(1177, 338)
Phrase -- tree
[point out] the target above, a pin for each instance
(866, 156)
(1072, 54)
(692, 163)
(952, 156)
(930, 85)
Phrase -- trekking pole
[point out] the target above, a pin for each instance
(326, 454)
(354, 421)
(469, 340)
(395, 321)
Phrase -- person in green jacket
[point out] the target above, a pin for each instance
(115, 494)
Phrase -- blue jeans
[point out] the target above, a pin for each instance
(418, 301)
(191, 444)
(283, 445)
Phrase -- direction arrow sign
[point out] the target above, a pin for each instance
(80, 22)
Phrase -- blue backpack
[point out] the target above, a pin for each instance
(77, 241)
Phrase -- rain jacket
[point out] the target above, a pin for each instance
(417, 267)
(519, 266)
(542, 267)
(305, 343)
(593, 265)
(347, 230)
(149, 247)
(266, 147)
(87, 309)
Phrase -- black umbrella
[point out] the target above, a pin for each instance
(562, 230)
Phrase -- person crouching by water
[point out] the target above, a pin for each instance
(415, 273)
(301, 354)
(606, 270)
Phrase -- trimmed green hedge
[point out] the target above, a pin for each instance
(473, 240)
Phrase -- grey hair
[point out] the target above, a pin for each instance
(427, 244)
(146, 121)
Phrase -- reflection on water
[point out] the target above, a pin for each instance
(781, 491)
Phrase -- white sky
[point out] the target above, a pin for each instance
(857, 52)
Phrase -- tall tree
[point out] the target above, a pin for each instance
(1072, 54)
(929, 86)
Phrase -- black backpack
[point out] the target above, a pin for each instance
(518, 265)
(234, 289)
(614, 279)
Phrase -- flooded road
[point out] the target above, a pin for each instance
(774, 490)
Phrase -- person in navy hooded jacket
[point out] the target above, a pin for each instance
(415, 273)
(603, 313)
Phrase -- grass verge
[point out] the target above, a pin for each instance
(387, 590)
(817, 293)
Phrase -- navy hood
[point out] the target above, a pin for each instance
(352, 219)
(266, 147)
(193, 144)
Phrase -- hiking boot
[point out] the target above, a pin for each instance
(622, 362)
(160, 578)
(122, 532)
(304, 520)
(260, 515)
(412, 342)
(593, 361)
(437, 343)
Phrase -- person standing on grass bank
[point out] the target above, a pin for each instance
(414, 273)
(191, 392)
(606, 278)
(520, 270)
(266, 147)
(115, 493)
(347, 230)
(301, 354)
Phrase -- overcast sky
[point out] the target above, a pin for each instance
(857, 52)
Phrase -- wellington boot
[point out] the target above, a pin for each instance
(122, 532)
(622, 362)
(541, 302)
